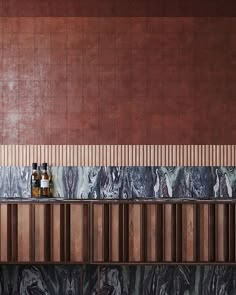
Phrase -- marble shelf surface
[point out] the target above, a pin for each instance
(120, 201)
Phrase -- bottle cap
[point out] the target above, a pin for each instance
(34, 166)
(45, 166)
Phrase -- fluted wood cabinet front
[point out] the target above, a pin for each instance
(44, 233)
(118, 232)
(163, 232)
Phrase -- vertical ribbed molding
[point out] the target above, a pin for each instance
(118, 155)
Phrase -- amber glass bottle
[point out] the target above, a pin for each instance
(44, 182)
(35, 181)
(50, 182)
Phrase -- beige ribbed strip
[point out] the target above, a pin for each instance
(119, 155)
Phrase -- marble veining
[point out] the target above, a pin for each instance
(151, 182)
(20, 182)
(117, 280)
(36, 279)
(165, 280)
(5, 182)
(126, 182)
(48, 280)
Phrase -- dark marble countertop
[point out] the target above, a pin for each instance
(139, 200)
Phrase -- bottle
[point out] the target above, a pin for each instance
(44, 182)
(35, 181)
(50, 182)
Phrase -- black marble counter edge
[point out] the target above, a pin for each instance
(139, 200)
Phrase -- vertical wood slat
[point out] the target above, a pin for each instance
(222, 233)
(98, 232)
(24, 232)
(40, 232)
(206, 232)
(156, 155)
(56, 232)
(231, 232)
(135, 233)
(188, 232)
(154, 232)
(169, 232)
(78, 233)
(159, 232)
(66, 232)
(179, 232)
(114, 232)
(15, 227)
(4, 229)
(125, 232)
(13, 221)
(151, 232)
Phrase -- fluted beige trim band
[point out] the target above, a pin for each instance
(119, 155)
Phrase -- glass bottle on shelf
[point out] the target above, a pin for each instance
(35, 181)
(44, 182)
(51, 192)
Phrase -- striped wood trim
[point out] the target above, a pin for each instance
(119, 155)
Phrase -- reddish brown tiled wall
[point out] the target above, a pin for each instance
(117, 80)
(117, 8)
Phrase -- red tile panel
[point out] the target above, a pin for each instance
(111, 8)
(108, 80)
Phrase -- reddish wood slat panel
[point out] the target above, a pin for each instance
(4, 228)
(159, 232)
(131, 232)
(56, 232)
(151, 233)
(125, 233)
(222, 233)
(118, 155)
(66, 232)
(135, 232)
(178, 228)
(24, 232)
(98, 232)
(78, 233)
(114, 232)
(231, 232)
(13, 221)
(39, 232)
(169, 232)
(204, 232)
(188, 232)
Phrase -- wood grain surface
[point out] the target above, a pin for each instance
(124, 232)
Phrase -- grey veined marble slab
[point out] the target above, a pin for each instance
(149, 182)
(126, 182)
(20, 182)
(117, 280)
(43, 280)
(168, 280)
(5, 182)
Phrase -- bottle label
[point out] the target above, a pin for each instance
(35, 182)
(44, 183)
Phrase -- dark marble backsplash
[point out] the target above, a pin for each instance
(117, 280)
(126, 182)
